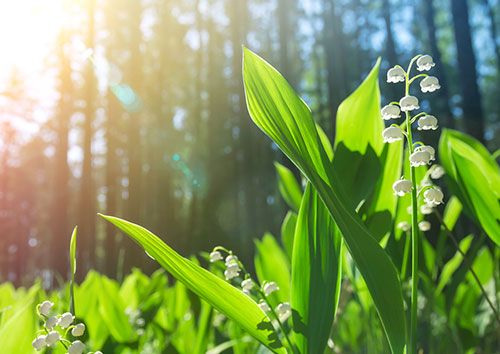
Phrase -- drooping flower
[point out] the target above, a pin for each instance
(52, 338)
(264, 306)
(231, 259)
(437, 172)
(391, 111)
(426, 209)
(79, 330)
(51, 322)
(424, 225)
(284, 310)
(429, 149)
(392, 134)
(76, 347)
(425, 62)
(404, 226)
(215, 256)
(433, 196)
(45, 308)
(420, 158)
(66, 320)
(429, 84)
(232, 271)
(409, 103)
(401, 187)
(395, 75)
(427, 122)
(39, 343)
(270, 288)
(247, 284)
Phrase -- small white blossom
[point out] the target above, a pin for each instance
(396, 74)
(264, 306)
(427, 122)
(391, 111)
(426, 209)
(429, 149)
(424, 225)
(76, 347)
(425, 62)
(52, 337)
(437, 172)
(230, 274)
(270, 288)
(231, 259)
(409, 210)
(401, 187)
(79, 330)
(420, 158)
(45, 308)
(215, 256)
(51, 322)
(284, 310)
(409, 103)
(433, 196)
(66, 320)
(233, 267)
(404, 226)
(429, 84)
(392, 134)
(39, 343)
(247, 284)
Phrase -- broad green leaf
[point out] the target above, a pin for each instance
(316, 274)
(271, 264)
(289, 187)
(288, 233)
(221, 295)
(286, 119)
(474, 177)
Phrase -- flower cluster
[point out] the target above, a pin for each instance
(420, 154)
(56, 329)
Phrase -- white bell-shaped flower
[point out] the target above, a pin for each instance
(66, 320)
(52, 337)
(51, 322)
(404, 226)
(427, 122)
(429, 149)
(409, 103)
(392, 134)
(433, 196)
(215, 256)
(76, 347)
(437, 172)
(230, 274)
(402, 186)
(391, 111)
(247, 284)
(264, 306)
(39, 343)
(231, 259)
(396, 74)
(429, 84)
(270, 288)
(424, 225)
(79, 330)
(420, 158)
(425, 62)
(426, 209)
(45, 308)
(284, 310)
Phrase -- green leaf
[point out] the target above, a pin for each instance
(285, 118)
(221, 295)
(316, 274)
(288, 233)
(289, 187)
(474, 177)
(271, 264)
(72, 260)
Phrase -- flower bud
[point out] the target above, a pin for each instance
(264, 306)
(79, 330)
(409, 103)
(401, 187)
(247, 284)
(424, 225)
(425, 62)
(231, 259)
(51, 322)
(437, 172)
(215, 256)
(426, 209)
(45, 308)
(427, 122)
(404, 226)
(52, 338)
(433, 196)
(420, 158)
(284, 310)
(396, 74)
(392, 134)
(429, 149)
(66, 320)
(76, 347)
(391, 111)
(230, 274)
(270, 288)
(429, 84)
(39, 343)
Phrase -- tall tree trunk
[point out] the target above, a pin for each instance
(60, 202)
(471, 97)
(390, 48)
(86, 231)
(445, 116)
(493, 31)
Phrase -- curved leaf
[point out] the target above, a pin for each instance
(288, 186)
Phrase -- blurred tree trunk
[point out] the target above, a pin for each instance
(471, 97)
(493, 31)
(86, 226)
(60, 227)
(445, 115)
(390, 49)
